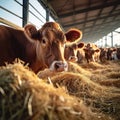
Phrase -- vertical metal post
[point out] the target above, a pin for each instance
(47, 14)
(105, 41)
(111, 39)
(25, 12)
(102, 42)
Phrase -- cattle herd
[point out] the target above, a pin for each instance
(49, 47)
(92, 53)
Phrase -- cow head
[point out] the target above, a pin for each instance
(72, 37)
(91, 52)
(49, 43)
(70, 52)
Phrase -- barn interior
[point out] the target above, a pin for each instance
(87, 91)
(96, 18)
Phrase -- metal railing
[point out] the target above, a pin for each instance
(39, 17)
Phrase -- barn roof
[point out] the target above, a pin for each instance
(96, 18)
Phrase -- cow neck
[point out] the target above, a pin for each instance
(39, 60)
(21, 38)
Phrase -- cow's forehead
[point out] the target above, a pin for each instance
(53, 25)
(54, 35)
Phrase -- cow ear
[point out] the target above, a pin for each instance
(73, 35)
(81, 45)
(31, 32)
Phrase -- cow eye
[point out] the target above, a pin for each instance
(44, 41)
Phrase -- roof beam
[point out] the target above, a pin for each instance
(117, 31)
(109, 28)
(86, 15)
(98, 35)
(90, 9)
(99, 14)
(114, 7)
(78, 23)
(101, 24)
(46, 5)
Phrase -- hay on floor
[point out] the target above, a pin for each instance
(97, 97)
(23, 96)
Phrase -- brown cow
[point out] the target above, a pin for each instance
(92, 52)
(112, 54)
(118, 53)
(81, 53)
(71, 52)
(72, 46)
(103, 54)
(43, 48)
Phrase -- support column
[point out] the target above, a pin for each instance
(105, 41)
(111, 39)
(47, 14)
(100, 42)
(25, 12)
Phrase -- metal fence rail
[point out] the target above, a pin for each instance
(23, 17)
(6, 22)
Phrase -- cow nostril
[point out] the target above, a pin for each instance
(57, 65)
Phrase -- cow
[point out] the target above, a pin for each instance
(103, 54)
(81, 52)
(71, 47)
(118, 53)
(42, 48)
(92, 52)
(112, 53)
(96, 55)
(71, 52)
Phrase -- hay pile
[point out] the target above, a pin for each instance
(109, 75)
(72, 68)
(23, 96)
(96, 84)
(82, 93)
(98, 98)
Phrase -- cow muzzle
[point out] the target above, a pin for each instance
(59, 66)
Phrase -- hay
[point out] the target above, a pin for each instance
(72, 68)
(85, 92)
(114, 75)
(92, 65)
(110, 83)
(24, 96)
(93, 84)
(76, 68)
(47, 73)
(109, 76)
(97, 97)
